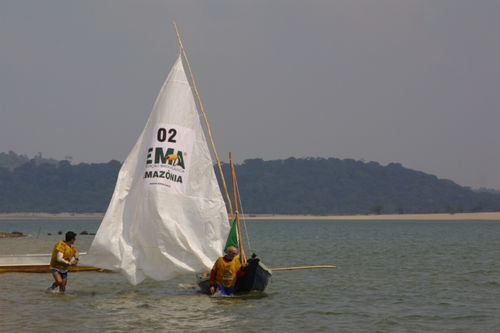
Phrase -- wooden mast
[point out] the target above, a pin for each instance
(206, 120)
(235, 198)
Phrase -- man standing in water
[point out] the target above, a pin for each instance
(63, 256)
(224, 273)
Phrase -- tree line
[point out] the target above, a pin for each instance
(316, 186)
(323, 186)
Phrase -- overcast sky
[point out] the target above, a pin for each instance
(414, 82)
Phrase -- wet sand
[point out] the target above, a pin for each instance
(490, 216)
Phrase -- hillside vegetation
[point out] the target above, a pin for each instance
(333, 186)
(314, 186)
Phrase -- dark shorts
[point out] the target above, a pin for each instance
(63, 275)
(225, 291)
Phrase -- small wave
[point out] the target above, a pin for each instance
(323, 313)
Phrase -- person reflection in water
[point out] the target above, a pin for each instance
(225, 272)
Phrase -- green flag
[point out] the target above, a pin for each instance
(232, 238)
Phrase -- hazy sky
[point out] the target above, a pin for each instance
(414, 82)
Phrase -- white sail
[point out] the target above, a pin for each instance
(167, 216)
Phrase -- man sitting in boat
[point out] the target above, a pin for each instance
(225, 272)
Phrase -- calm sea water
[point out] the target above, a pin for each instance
(392, 276)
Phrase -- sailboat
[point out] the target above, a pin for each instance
(257, 275)
(167, 216)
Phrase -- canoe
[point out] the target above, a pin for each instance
(37, 263)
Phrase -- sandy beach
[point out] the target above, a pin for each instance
(487, 216)
(490, 216)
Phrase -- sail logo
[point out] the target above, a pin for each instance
(160, 156)
(167, 157)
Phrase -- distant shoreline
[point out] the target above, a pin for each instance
(65, 216)
(487, 216)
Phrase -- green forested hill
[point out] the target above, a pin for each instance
(60, 187)
(315, 186)
(335, 186)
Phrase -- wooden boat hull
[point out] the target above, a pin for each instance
(256, 277)
(37, 263)
(45, 269)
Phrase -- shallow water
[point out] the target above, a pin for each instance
(392, 276)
